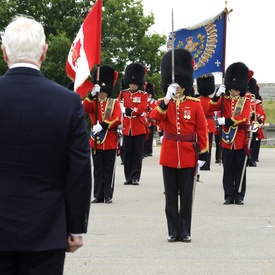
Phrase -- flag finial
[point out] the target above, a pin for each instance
(226, 9)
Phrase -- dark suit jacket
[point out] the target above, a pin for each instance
(45, 169)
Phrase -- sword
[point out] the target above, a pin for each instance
(254, 128)
(246, 156)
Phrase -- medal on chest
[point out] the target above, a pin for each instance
(136, 99)
(187, 114)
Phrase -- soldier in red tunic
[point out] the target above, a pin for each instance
(184, 142)
(257, 117)
(105, 115)
(151, 123)
(235, 113)
(134, 107)
(206, 87)
(261, 119)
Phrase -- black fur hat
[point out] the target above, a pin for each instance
(70, 86)
(150, 88)
(206, 84)
(107, 79)
(236, 77)
(253, 87)
(123, 86)
(134, 74)
(183, 70)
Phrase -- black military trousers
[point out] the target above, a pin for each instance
(178, 186)
(207, 164)
(104, 173)
(148, 145)
(233, 163)
(132, 152)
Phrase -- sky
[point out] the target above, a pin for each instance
(250, 34)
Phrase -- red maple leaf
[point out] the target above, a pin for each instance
(76, 51)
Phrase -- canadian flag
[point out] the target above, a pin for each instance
(85, 50)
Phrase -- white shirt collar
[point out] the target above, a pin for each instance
(24, 64)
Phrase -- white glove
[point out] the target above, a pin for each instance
(254, 127)
(171, 91)
(122, 107)
(97, 128)
(221, 120)
(96, 89)
(201, 163)
(221, 90)
(160, 139)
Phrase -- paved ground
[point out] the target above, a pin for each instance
(129, 236)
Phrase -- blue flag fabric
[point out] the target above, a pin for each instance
(205, 41)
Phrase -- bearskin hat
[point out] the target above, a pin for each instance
(253, 87)
(123, 86)
(183, 70)
(134, 74)
(150, 88)
(236, 77)
(107, 79)
(70, 86)
(206, 84)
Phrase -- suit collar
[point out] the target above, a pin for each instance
(24, 64)
(23, 70)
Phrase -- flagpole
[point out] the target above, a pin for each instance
(96, 107)
(226, 12)
(98, 71)
(173, 50)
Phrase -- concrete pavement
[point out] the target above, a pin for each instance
(129, 236)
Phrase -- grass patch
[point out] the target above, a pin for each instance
(269, 107)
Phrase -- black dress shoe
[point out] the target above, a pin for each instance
(252, 164)
(239, 202)
(135, 182)
(185, 239)
(227, 201)
(172, 239)
(127, 182)
(108, 200)
(97, 201)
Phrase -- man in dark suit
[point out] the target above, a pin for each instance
(45, 166)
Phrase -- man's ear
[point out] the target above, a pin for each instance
(4, 53)
(44, 53)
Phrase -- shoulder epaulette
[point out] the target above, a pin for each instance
(193, 98)
(144, 92)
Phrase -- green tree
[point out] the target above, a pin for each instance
(125, 36)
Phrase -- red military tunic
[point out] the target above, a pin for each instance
(240, 119)
(109, 124)
(183, 116)
(137, 102)
(258, 111)
(209, 115)
(152, 104)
